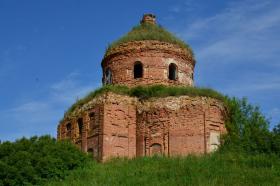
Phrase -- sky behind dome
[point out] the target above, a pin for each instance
(50, 52)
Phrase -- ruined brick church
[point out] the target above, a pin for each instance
(115, 125)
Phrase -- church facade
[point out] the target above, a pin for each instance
(114, 125)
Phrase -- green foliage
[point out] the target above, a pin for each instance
(146, 92)
(249, 155)
(148, 31)
(248, 129)
(215, 169)
(36, 160)
(276, 139)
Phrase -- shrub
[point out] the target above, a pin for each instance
(35, 160)
(276, 139)
(247, 127)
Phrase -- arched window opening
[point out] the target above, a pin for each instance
(214, 140)
(80, 126)
(90, 150)
(68, 129)
(68, 126)
(92, 121)
(156, 149)
(172, 75)
(138, 70)
(108, 76)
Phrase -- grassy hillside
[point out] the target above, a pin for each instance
(217, 169)
(249, 155)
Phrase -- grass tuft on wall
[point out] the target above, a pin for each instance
(146, 92)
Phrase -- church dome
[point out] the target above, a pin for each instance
(148, 29)
(148, 55)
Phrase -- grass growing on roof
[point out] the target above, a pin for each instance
(147, 31)
(146, 92)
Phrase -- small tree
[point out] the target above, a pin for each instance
(248, 129)
(35, 160)
(276, 139)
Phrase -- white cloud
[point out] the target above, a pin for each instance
(237, 51)
(70, 88)
(244, 30)
(41, 116)
(268, 83)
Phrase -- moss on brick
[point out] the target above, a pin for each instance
(146, 92)
(147, 31)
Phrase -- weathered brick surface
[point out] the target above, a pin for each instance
(181, 125)
(112, 125)
(126, 127)
(155, 57)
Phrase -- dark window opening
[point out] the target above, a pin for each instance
(92, 120)
(80, 126)
(90, 150)
(108, 76)
(68, 126)
(156, 149)
(172, 75)
(68, 129)
(138, 70)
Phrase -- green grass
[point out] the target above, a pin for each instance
(148, 92)
(148, 31)
(218, 169)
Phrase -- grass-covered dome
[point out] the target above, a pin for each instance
(147, 30)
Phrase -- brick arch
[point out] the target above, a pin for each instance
(108, 76)
(156, 149)
(172, 71)
(138, 70)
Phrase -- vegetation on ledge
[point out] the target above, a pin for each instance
(145, 92)
(147, 31)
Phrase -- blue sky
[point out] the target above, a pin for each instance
(50, 52)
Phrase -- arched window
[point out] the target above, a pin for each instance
(68, 126)
(80, 126)
(172, 75)
(68, 129)
(138, 70)
(108, 76)
(156, 149)
(91, 120)
(90, 150)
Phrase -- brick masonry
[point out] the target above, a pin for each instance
(156, 56)
(112, 125)
(122, 126)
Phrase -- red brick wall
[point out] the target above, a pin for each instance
(91, 138)
(127, 127)
(119, 132)
(180, 125)
(155, 57)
